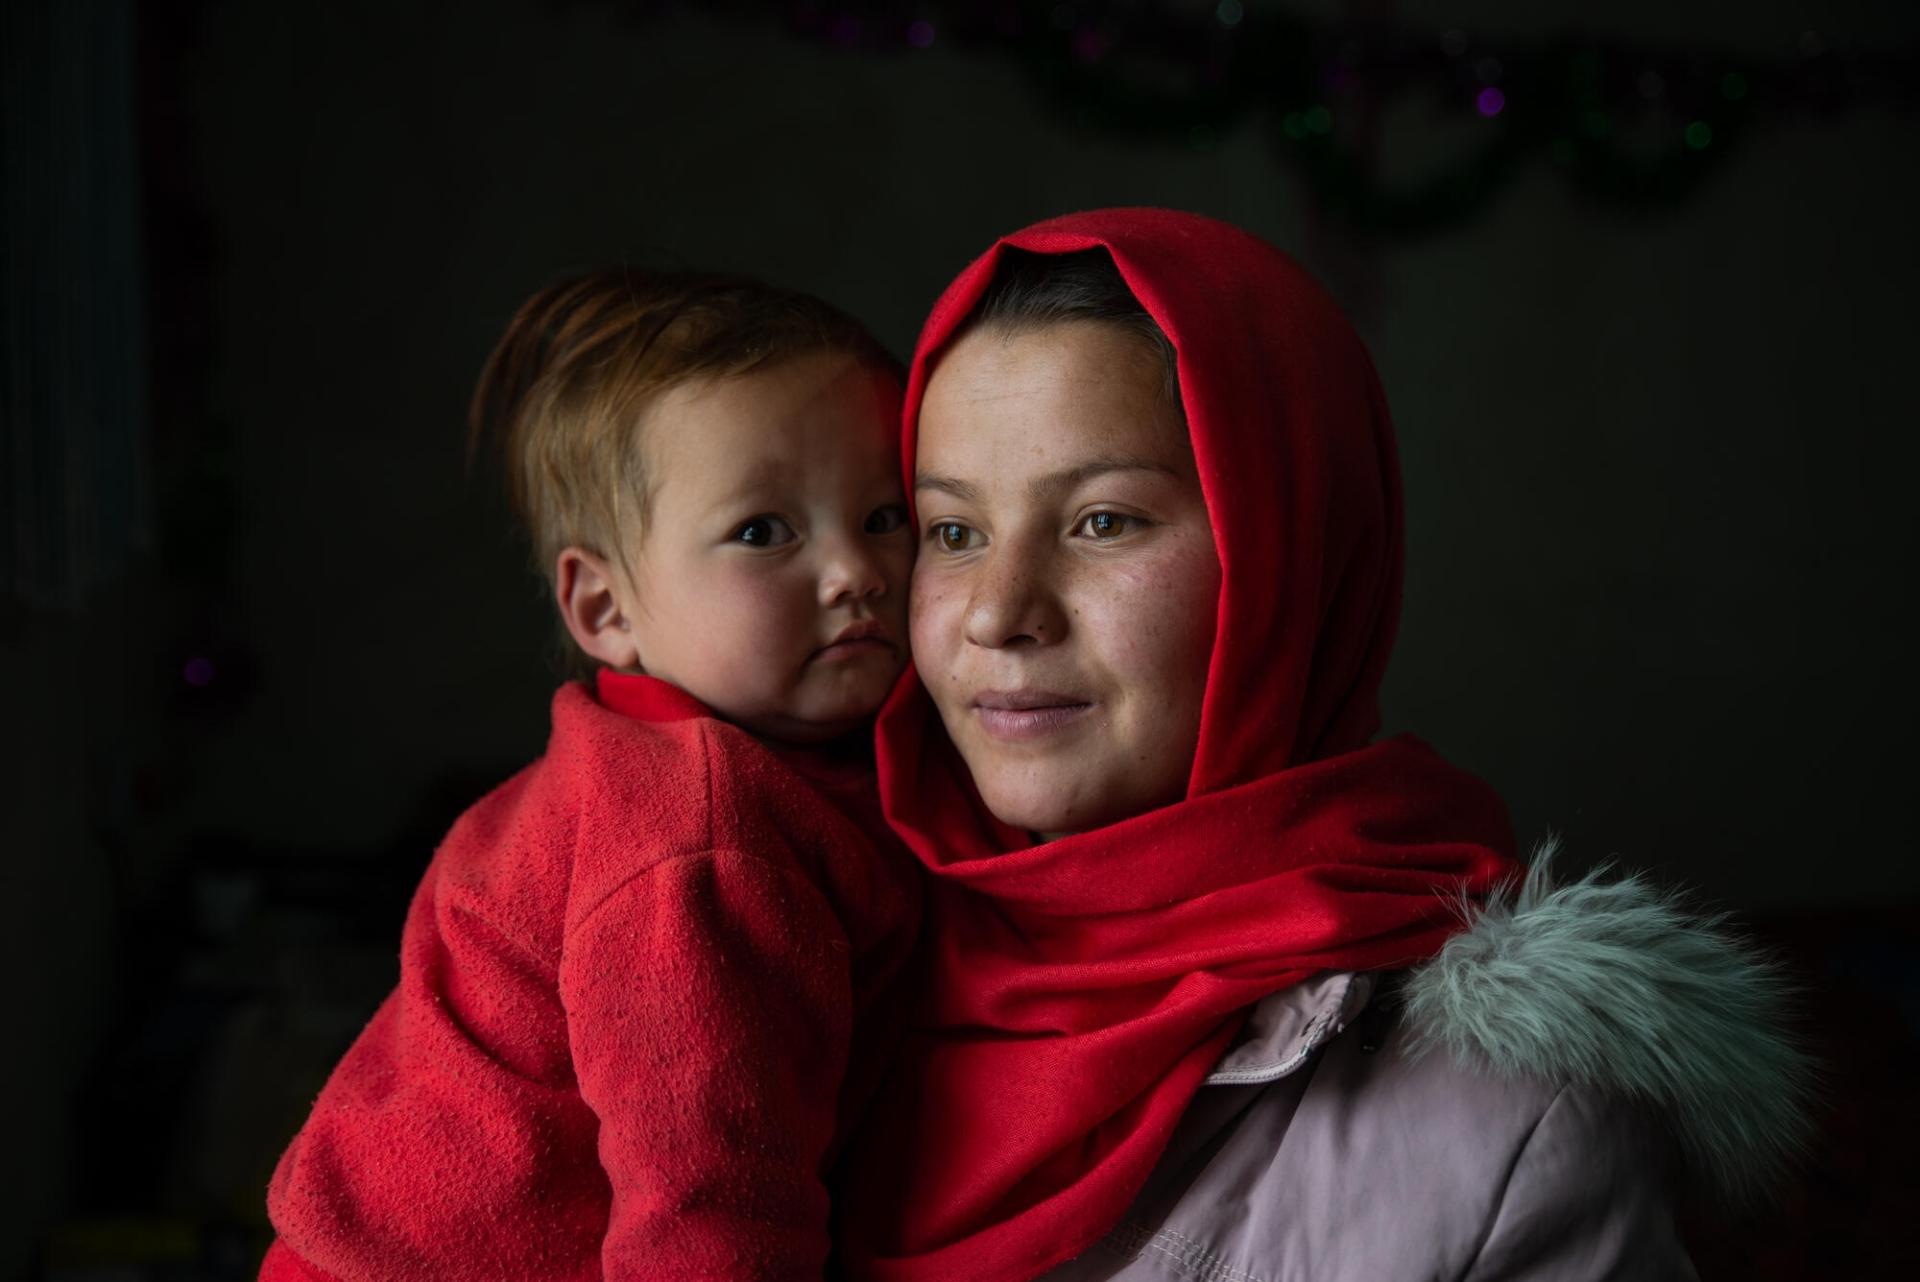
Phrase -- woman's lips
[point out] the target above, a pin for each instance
(1014, 715)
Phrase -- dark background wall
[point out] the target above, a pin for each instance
(1658, 462)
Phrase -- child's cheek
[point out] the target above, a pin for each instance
(769, 614)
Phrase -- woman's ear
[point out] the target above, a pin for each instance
(594, 605)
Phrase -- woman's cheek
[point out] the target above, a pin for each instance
(1157, 617)
(1164, 603)
(931, 625)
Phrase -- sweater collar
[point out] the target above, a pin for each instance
(645, 698)
(843, 765)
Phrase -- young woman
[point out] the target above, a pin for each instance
(1218, 987)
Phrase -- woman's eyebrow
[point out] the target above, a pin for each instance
(1072, 477)
(1042, 487)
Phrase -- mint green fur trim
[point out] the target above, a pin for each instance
(1615, 984)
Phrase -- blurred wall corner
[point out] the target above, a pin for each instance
(72, 368)
(74, 525)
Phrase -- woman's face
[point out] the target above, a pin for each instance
(1063, 604)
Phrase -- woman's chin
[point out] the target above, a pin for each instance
(1034, 806)
(1059, 804)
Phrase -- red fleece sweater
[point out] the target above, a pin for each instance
(644, 988)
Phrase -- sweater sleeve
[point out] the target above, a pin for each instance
(449, 1141)
(708, 1001)
(1588, 1200)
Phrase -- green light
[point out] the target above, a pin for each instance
(1733, 86)
(1296, 125)
(1320, 120)
(1596, 124)
(1699, 134)
(1230, 12)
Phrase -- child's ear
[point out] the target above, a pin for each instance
(588, 591)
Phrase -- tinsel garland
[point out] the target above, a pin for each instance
(1628, 124)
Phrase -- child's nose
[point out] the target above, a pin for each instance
(852, 573)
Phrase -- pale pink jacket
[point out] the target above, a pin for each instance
(1522, 1109)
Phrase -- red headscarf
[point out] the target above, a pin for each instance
(1079, 991)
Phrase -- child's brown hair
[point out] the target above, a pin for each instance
(566, 388)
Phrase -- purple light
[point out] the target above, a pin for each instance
(920, 34)
(198, 671)
(1490, 102)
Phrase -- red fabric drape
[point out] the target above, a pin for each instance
(1078, 992)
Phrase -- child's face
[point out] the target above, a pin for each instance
(770, 582)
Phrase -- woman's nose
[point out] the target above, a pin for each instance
(852, 573)
(1013, 603)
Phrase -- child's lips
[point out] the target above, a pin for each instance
(868, 637)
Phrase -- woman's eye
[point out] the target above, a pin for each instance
(764, 532)
(885, 520)
(951, 536)
(1107, 525)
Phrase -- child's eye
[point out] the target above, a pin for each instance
(951, 536)
(764, 532)
(1107, 525)
(885, 520)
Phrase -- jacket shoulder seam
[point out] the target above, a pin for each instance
(1506, 1183)
(1190, 1258)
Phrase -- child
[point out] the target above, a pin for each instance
(642, 984)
